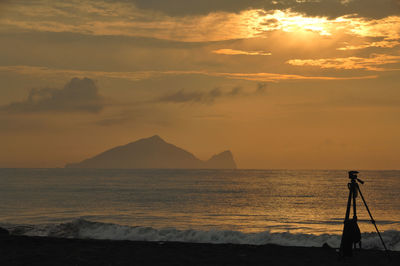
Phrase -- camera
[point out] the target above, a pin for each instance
(353, 174)
(354, 178)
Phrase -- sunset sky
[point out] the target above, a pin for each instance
(285, 84)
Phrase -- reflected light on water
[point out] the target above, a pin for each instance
(242, 200)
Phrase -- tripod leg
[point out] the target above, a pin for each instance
(348, 203)
(346, 218)
(372, 219)
(353, 188)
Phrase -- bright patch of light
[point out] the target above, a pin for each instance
(261, 21)
(239, 52)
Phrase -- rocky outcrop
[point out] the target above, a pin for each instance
(222, 160)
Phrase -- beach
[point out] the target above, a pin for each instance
(26, 250)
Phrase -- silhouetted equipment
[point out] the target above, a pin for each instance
(351, 232)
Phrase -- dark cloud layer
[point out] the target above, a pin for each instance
(194, 7)
(195, 97)
(336, 8)
(78, 95)
(330, 8)
(208, 97)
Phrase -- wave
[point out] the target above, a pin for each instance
(84, 229)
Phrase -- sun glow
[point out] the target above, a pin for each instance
(387, 28)
(261, 21)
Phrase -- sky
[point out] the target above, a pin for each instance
(284, 84)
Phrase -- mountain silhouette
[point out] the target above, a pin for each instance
(154, 152)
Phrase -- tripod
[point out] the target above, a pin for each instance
(351, 232)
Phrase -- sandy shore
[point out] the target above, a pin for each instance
(23, 250)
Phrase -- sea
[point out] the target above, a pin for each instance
(284, 207)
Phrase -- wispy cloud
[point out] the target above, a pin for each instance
(371, 63)
(239, 52)
(142, 75)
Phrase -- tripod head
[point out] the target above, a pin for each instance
(354, 178)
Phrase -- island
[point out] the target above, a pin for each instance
(155, 153)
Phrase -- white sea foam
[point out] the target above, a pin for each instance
(81, 228)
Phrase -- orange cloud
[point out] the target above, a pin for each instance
(141, 75)
(67, 73)
(353, 62)
(274, 77)
(388, 28)
(124, 19)
(239, 52)
(381, 44)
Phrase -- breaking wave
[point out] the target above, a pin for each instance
(84, 229)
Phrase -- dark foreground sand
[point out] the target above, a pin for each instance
(22, 250)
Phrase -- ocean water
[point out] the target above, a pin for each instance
(286, 207)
